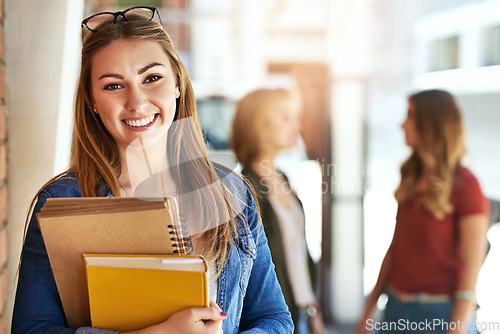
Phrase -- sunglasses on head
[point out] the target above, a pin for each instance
(98, 21)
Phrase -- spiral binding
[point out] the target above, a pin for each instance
(181, 245)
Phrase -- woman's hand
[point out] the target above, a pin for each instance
(193, 320)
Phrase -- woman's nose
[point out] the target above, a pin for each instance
(403, 125)
(136, 99)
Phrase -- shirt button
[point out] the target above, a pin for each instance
(221, 304)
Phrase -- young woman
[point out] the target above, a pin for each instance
(430, 270)
(134, 89)
(266, 122)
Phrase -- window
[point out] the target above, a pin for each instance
(444, 54)
(216, 117)
(492, 46)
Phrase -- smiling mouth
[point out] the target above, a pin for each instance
(140, 122)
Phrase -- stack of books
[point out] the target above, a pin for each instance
(121, 263)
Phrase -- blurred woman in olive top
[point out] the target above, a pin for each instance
(266, 122)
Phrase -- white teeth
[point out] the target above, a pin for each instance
(141, 122)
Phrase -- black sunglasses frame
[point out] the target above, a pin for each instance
(123, 14)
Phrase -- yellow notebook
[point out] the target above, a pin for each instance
(130, 292)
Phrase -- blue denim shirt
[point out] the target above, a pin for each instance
(248, 290)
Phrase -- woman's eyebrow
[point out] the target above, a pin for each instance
(141, 71)
(111, 75)
(147, 67)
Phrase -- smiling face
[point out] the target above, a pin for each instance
(134, 89)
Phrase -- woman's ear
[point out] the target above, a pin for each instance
(177, 92)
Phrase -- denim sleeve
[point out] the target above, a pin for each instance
(37, 307)
(264, 307)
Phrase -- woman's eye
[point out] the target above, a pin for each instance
(152, 78)
(113, 86)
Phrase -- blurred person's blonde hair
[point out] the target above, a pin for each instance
(251, 113)
(440, 148)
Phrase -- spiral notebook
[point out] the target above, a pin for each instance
(72, 227)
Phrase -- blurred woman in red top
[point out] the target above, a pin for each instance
(430, 270)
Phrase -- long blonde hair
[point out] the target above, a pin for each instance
(440, 148)
(95, 156)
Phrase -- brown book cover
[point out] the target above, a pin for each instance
(72, 227)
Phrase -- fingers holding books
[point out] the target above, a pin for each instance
(212, 318)
(197, 320)
(192, 320)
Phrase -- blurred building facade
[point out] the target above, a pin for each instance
(354, 63)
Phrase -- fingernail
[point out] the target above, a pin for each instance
(224, 314)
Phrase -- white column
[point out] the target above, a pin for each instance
(348, 55)
(470, 47)
(42, 56)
